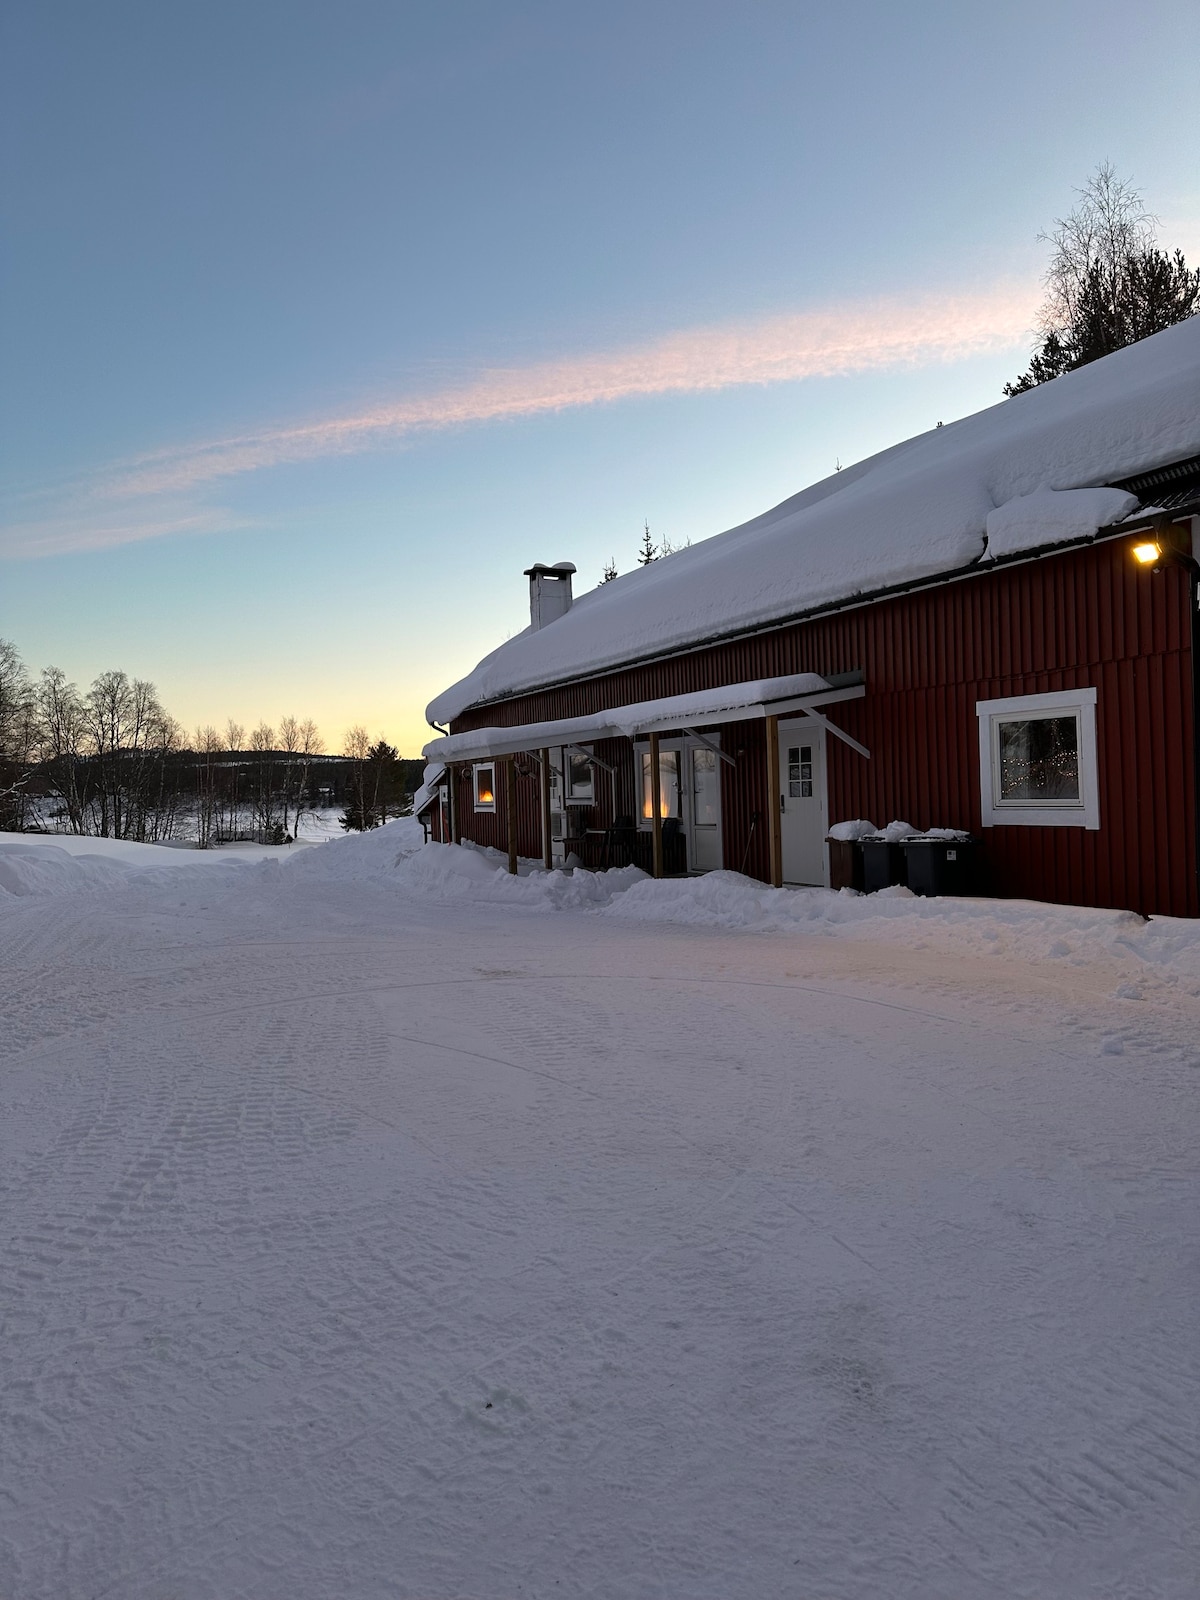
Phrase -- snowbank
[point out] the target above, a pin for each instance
(915, 511)
(1027, 929)
(46, 869)
(460, 873)
(395, 859)
(64, 863)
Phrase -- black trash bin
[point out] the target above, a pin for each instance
(883, 864)
(942, 866)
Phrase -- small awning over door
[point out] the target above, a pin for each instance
(428, 792)
(736, 702)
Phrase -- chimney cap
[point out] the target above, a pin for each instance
(560, 569)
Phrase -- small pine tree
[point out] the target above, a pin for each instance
(610, 571)
(647, 553)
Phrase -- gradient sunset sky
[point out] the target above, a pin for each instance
(322, 321)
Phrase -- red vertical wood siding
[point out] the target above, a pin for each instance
(1087, 617)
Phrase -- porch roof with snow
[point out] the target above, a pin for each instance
(798, 694)
(1034, 473)
(428, 792)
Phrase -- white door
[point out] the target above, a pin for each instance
(802, 802)
(705, 854)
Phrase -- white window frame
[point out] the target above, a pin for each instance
(1081, 813)
(481, 766)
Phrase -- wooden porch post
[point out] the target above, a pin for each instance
(656, 806)
(547, 842)
(510, 809)
(774, 803)
(452, 791)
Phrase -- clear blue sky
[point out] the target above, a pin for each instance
(398, 254)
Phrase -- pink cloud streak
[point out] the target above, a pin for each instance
(833, 342)
(156, 495)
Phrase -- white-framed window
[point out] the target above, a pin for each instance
(485, 785)
(1037, 761)
(581, 779)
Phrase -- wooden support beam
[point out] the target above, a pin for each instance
(510, 811)
(452, 792)
(774, 804)
(656, 806)
(547, 842)
(839, 733)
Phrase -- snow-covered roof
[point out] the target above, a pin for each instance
(1000, 482)
(736, 702)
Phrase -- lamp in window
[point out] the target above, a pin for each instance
(485, 786)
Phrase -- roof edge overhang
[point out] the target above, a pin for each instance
(771, 697)
(1138, 522)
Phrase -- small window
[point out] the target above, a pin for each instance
(800, 772)
(1037, 761)
(485, 786)
(668, 785)
(581, 781)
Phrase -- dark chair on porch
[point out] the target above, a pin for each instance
(620, 843)
(674, 848)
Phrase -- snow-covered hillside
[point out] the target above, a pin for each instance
(376, 1224)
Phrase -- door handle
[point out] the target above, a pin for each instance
(782, 805)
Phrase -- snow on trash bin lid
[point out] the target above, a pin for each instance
(850, 832)
(893, 833)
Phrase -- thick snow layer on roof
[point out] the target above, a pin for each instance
(1054, 516)
(913, 512)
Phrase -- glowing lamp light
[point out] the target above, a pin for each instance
(1148, 553)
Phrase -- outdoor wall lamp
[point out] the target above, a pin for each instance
(1165, 547)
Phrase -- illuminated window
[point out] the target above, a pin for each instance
(668, 785)
(485, 786)
(1037, 761)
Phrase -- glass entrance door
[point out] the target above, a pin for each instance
(705, 854)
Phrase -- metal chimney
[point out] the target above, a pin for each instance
(549, 592)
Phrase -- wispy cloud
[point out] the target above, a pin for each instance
(835, 341)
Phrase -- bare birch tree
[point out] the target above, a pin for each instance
(18, 737)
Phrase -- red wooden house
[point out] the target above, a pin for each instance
(992, 627)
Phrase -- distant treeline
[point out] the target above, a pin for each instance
(111, 761)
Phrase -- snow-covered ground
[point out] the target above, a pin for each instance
(378, 1225)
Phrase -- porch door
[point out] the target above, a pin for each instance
(802, 799)
(705, 854)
